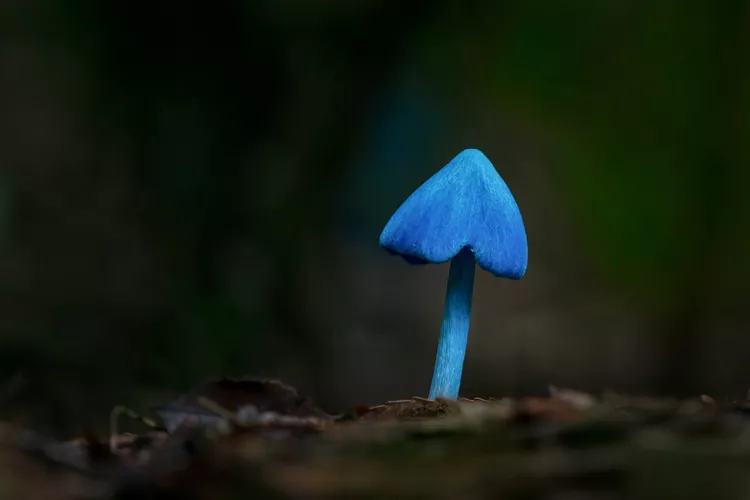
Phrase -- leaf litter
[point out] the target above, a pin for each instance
(259, 438)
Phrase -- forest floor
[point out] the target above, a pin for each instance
(239, 439)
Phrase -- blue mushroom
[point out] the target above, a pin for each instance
(464, 213)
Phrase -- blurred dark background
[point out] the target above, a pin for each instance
(191, 189)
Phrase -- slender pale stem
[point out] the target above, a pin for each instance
(454, 333)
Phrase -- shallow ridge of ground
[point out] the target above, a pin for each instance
(254, 438)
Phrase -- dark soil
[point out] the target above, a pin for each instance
(260, 439)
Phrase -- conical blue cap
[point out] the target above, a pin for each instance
(465, 204)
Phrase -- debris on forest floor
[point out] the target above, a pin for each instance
(261, 439)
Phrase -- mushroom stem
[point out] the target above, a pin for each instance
(454, 332)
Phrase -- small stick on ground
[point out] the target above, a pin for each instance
(114, 419)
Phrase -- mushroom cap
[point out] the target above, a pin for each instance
(466, 204)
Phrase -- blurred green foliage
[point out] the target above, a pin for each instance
(647, 106)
